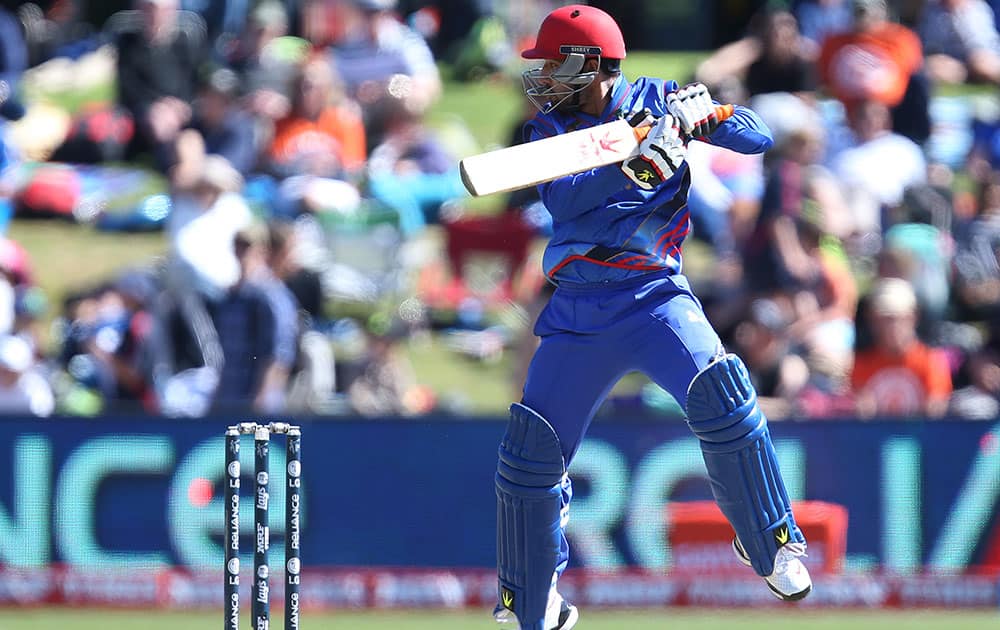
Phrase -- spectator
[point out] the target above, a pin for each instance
(827, 393)
(59, 31)
(110, 343)
(881, 165)
(23, 390)
(267, 23)
(774, 257)
(819, 19)
(980, 399)
(824, 311)
(977, 257)
(725, 196)
(411, 170)
(961, 41)
(784, 65)
(284, 309)
(127, 342)
(208, 211)
(224, 19)
(159, 101)
(313, 379)
(256, 327)
(30, 305)
(285, 263)
(318, 146)
(984, 156)
(268, 67)
(370, 48)
(879, 61)
(917, 245)
(323, 135)
(227, 130)
(13, 63)
(770, 58)
(899, 375)
(778, 373)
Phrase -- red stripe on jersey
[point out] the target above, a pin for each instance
(617, 265)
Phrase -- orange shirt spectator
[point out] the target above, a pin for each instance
(899, 375)
(337, 131)
(875, 64)
(324, 133)
(903, 385)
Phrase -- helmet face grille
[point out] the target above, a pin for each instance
(547, 91)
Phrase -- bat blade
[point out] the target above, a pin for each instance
(544, 160)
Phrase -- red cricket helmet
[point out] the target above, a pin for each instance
(577, 28)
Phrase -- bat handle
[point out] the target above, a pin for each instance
(722, 112)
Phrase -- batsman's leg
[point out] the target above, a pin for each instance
(722, 411)
(533, 495)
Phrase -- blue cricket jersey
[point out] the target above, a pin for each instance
(605, 228)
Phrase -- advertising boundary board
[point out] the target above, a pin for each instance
(124, 496)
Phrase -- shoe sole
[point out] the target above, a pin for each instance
(794, 597)
(574, 616)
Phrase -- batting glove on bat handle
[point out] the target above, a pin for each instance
(693, 107)
(660, 154)
(722, 112)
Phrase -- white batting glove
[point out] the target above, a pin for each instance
(660, 155)
(693, 107)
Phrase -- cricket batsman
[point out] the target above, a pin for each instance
(622, 304)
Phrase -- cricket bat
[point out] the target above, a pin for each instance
(543, 160)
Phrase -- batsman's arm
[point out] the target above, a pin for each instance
(743, 131)
(577, 194)
(573, 195)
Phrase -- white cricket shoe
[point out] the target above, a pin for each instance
(790, 579)
(559, 614)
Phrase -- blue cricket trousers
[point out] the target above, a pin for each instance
(593, 334)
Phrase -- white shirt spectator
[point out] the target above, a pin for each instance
(203, 239)
(882, 167)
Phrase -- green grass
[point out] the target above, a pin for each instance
(788, 619)
(476, 386)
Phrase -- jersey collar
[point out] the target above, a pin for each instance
(619, 91)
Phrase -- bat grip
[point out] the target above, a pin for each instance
(722, 112)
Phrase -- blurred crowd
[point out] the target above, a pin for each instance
(297, 169)
(856, 264)
(855, 267)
